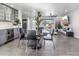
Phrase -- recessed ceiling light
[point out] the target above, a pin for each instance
(66, 10)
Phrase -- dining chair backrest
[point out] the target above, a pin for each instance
(22, 33)
(52, 32)
(31, 35)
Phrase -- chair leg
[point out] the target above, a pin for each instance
(44, 43)
(36, 47)
(53, 43)
(22, 43)
(26, 48)
(18, 44)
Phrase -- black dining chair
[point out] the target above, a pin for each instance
(22, 37)
(32, 41)
(31, 37)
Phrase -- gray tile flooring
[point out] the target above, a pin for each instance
(64, 46)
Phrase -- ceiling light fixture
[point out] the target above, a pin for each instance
(66, 10)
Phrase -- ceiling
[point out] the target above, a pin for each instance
(58, 9)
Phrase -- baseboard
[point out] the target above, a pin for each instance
(8, 41)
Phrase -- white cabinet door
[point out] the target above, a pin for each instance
(16, 33)
(3, 36)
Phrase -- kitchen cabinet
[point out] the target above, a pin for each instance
(7, 35)
(7, 13)
(16, 32)
(3, 36)
(10, 34)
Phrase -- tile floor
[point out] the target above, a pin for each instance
(64, 46)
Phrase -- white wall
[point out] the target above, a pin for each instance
(31, 23)
(28, 24)
(74, 20)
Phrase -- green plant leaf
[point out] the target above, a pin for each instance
(39, 14)
(16, 22)
(38, 20)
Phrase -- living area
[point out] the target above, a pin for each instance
(63, 26)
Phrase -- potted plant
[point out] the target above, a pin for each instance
(38, 21)
(59, 26)
(16, 22)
